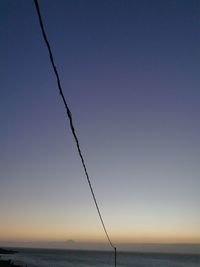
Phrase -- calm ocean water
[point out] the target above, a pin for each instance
(72, 258)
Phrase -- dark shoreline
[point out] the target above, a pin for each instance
(7, 251)
(7, 263)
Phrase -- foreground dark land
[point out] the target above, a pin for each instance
(7, 263)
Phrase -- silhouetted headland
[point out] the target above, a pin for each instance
(7, 251)
(7, 263)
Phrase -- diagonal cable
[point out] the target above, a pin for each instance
(69, 114)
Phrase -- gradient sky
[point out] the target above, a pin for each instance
(130, 72)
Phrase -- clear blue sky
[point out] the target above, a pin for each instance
(130, 72)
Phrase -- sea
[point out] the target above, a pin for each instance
(74, 258)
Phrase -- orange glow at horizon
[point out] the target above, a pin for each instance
(137, 228)
(46, 234)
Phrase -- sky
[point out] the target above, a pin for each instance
(130, 73)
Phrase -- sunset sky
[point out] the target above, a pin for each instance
(130, 73)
